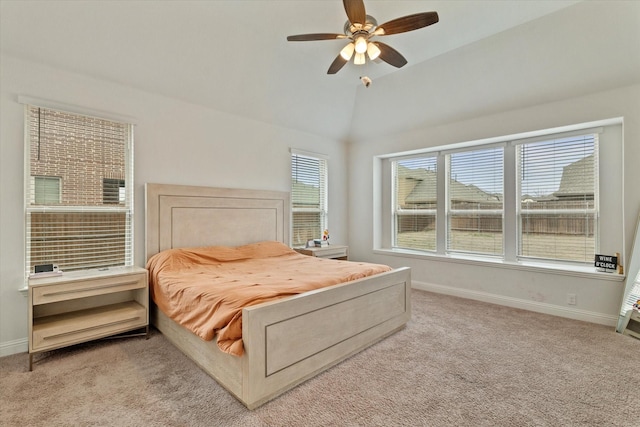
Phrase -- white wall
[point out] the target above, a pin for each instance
(175, 142)
(598, 298)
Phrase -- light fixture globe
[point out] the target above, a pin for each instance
(347, 51)
(373, 51)
(360, 35)
(361, 44)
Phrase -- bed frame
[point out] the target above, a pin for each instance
(286, 341)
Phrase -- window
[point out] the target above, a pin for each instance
(475, 201)
(79, 192)
(415, 203)
(113, 191)
(520, 198)
(46, 190)
(308, 196)
(557, 194)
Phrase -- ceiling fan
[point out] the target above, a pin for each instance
(360, 28)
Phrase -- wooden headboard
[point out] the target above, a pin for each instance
(179, 216)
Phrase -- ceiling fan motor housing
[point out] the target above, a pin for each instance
(369, 27)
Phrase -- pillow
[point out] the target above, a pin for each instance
(185, 257)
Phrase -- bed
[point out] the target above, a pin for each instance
(285, 341)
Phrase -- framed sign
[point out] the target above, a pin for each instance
(607, 263)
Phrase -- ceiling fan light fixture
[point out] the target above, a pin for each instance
(361, 44)
(347, 51)
(359, 28)
(373, 51)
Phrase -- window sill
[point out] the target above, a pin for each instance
(538, 267)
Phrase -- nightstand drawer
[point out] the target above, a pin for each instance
(75, 327)
(87, 288)
(331, 251)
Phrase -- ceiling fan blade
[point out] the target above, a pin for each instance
(390, 55)
(337, 65)
(355, 11)
(312, 37)
(407, 23)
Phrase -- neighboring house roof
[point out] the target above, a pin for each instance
(306, 194)
(577, 179)
(424, 190)
(470, 193)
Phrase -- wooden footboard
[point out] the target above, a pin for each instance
(291, 340)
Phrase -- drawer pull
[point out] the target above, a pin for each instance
(76, 331)
(73, 291)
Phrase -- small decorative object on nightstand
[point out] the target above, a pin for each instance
(82, 306)
(330, 251)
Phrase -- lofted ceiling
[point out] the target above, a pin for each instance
(233, 56)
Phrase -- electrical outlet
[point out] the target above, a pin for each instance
(571, 299)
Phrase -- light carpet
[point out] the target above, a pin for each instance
(457, 363)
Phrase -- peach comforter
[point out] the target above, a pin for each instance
(204, 289)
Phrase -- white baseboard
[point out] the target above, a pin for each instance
(555, 310)
(13, 347)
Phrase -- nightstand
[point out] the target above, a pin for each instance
(81, 306)
(331, 251)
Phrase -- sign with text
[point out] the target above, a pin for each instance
(606, 262)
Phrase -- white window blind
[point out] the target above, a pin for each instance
(475, 204)
(308, 197)
(78, 190)
(558, 198)
(415, 203)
